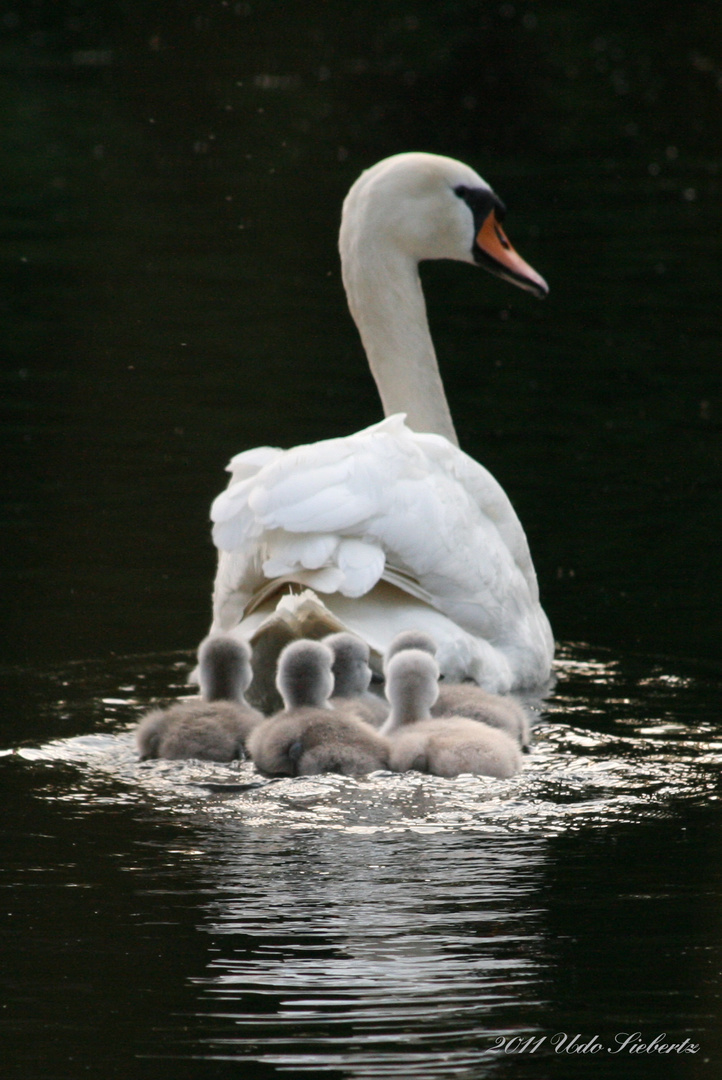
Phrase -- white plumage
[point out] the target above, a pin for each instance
(394, 527)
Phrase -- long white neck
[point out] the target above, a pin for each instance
(387, 302)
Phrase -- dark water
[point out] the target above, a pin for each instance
(180, 919)
(171, 184)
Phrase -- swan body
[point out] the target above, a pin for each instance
(445, 746)
(309, 736)
(466, 699)
(214, 728)
(394, 527)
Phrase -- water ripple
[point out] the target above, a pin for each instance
(614, 742)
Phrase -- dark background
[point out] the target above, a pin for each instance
(171, 182)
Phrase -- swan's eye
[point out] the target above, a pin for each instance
(481, 201)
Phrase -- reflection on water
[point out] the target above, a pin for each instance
(404, 973)
(393, 924)
(612, 743)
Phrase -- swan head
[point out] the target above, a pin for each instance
(305, 676)
(351, 670)
(432, 207)
(224, 668)
(412, 684)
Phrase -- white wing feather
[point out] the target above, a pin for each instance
(386, 502)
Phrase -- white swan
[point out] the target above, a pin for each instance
(395, 527)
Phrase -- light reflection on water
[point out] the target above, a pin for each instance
(611, 744)
(373, 955)
(393, 925)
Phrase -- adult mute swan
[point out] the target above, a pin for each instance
(394, 527)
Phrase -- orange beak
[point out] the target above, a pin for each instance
(501, 259)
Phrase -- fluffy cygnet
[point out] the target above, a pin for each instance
(409, 639)
(215, 727)
(352, 678)
(467, 699)
(444, 746)
(309, 736)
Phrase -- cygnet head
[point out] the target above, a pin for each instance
(411, 685)
(351, 670)
(225, 671)
(410, 639)
(305, 676)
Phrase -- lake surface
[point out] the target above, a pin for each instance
(180, 919)
(171, 192)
